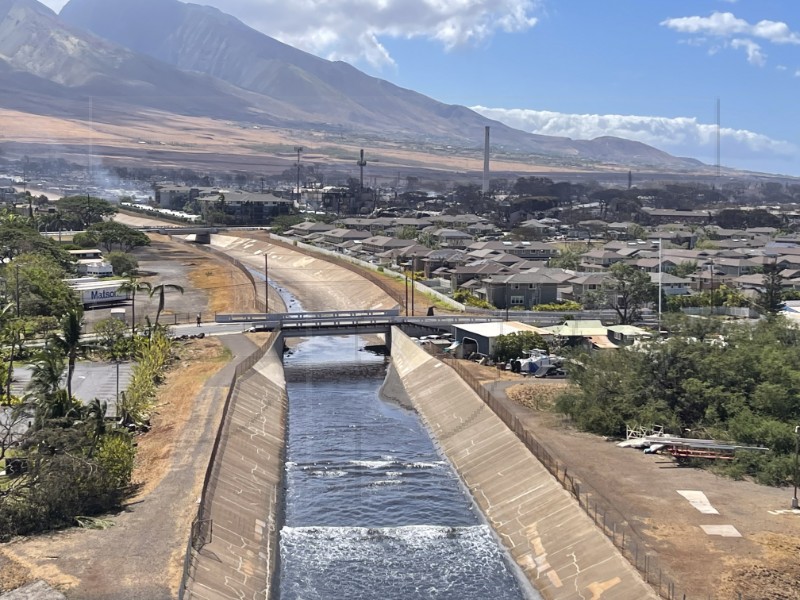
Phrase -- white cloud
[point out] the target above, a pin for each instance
(351, 29)
(684, 136)
(734, 33)
(727, 25)
(755, 56)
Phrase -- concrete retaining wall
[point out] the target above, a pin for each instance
(448, 301)
(244, 501)
(556, 545)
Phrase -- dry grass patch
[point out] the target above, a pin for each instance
(774, 577)
(227, 287)
(539, 395)
(12, 573)
(197, 362)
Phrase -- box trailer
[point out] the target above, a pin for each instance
(99, 293)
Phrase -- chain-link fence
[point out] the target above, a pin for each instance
(202, 525)
(614, 524)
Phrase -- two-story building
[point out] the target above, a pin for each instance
(521, 290)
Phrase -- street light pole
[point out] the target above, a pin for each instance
(266, 282)
(406, 278)
(16, 276)
(117, 395)
(796, 453)
(506, 300)
(413, 266)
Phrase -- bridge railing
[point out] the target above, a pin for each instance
(305, 316)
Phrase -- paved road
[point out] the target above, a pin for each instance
(91, 380)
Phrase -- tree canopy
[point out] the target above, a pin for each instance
(35, 283)
(742, 387)
(628, 289)
(111, 235)
(514, 345)
(78, 212)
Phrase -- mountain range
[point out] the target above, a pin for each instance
(124, 61)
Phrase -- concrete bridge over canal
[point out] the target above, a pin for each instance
(345, 322)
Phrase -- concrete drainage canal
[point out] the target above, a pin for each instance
(372, 509)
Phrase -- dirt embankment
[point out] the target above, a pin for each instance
(762, 564)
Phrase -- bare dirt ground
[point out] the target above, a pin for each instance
(170, 140)
(763, 564)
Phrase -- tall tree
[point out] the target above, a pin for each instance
(771, 299)
(68, 342)
(51, 400)
(131, 286)
(160, 291)
(96, 416)
(628, 290)
(82, 211)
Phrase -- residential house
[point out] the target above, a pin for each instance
(338, 236)
(306, 228)
(523, 249)
(586, 284)
(672, 285)
(599, 260)
(654, 265)
(474, 271)
(451, 238)
(521, 290)
(735, 267)
(434, 262)
(382, 243)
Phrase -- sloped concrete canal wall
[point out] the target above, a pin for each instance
(233, 552)
(557, 546)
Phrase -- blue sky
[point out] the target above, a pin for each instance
(645, 69)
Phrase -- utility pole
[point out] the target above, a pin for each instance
(413, 261)
(16, 276)
(406, 278)
(506, 300)
(660, 244)
(796, 453)
(266, 282)
(117, 361)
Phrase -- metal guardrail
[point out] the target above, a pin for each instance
(611, 522)
(285, 318)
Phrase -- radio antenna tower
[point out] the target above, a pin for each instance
(718, 140)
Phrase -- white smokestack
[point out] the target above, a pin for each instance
(485, 187)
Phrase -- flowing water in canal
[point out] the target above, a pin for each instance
(372, 509)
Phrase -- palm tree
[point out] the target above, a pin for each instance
(14, 335)
(160, 290)
(51, 400)
(69, 343)
(46, 374)
(96, 414)
(133, 285)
